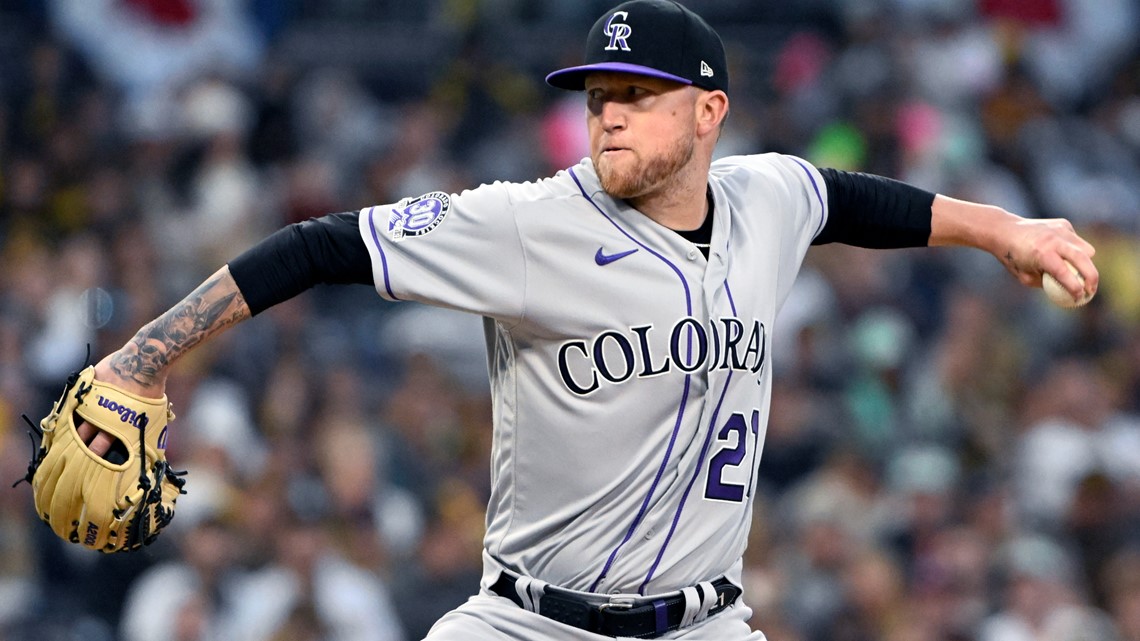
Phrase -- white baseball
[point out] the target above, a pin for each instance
(1061, 296)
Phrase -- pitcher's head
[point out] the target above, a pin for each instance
(655, 77)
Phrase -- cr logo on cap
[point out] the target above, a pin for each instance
(618, 32)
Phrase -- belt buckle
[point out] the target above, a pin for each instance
(619, 603)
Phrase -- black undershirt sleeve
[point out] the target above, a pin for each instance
(865, 210)
(326, 250)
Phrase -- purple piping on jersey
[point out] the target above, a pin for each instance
(684, 394)
(700, 462)
(379, 248)
(822, 207)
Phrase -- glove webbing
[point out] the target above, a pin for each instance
(139, 529)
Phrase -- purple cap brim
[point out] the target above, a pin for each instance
(574, 78)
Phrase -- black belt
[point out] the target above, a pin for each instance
(647, 619)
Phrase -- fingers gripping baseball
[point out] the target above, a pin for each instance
(1049, 246)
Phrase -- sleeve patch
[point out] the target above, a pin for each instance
(417, 216)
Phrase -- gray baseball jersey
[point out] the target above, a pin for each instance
(630, 375)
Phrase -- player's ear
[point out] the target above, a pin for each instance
(712, 109)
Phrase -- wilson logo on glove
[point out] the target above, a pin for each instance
(126, 414)
(124, 505)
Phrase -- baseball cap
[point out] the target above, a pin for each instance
(658, 38)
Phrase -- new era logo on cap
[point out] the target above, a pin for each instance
(658, 38)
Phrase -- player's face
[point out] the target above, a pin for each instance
(642, 131)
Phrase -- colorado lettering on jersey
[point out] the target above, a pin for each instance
(615, 356)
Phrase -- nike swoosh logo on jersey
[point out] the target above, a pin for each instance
(602, 258)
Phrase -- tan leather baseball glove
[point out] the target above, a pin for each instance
(113, 504)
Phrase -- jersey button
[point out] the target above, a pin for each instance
(692, 254)
(649, 534)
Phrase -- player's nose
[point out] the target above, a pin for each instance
(611, 116)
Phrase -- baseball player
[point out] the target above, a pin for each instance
(629, 303)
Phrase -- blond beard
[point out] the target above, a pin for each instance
(647, 177)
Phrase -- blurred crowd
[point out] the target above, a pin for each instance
(949, 457)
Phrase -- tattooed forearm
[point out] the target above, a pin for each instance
(216, 305)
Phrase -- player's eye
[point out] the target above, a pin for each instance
(596, 97)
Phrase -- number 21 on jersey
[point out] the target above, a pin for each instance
(731, 451)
